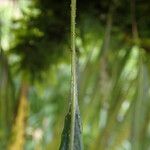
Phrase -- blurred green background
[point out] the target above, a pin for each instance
(113, 45)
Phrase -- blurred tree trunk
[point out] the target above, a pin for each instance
(18, 132)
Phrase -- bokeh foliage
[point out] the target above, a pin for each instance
(113, 44)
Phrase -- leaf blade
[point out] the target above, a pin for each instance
(65, 139)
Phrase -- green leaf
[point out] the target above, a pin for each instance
(65, 139)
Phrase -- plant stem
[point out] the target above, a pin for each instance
(74, 95)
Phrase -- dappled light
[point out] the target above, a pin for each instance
(74, 75)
